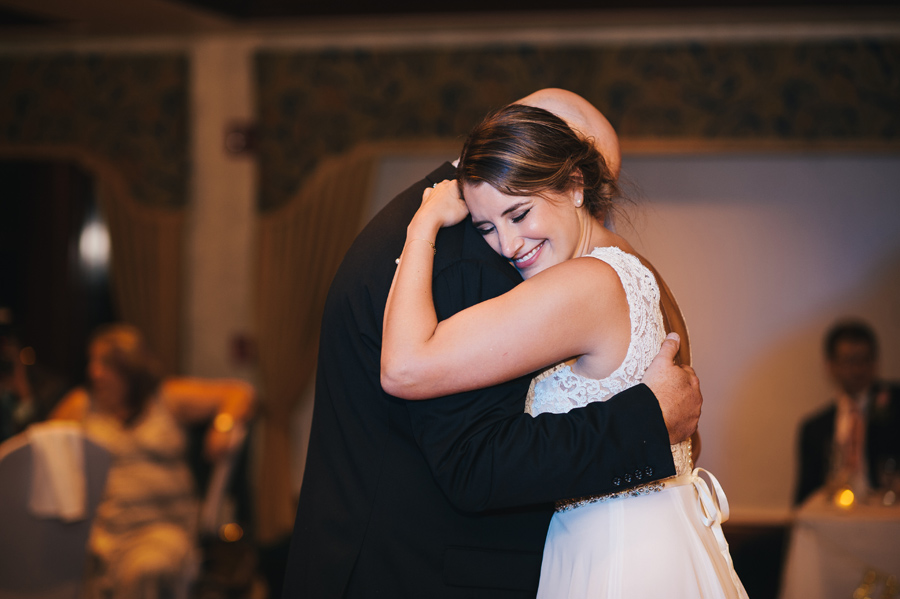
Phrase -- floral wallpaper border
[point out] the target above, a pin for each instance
(133, 110)
(318, 103)
(130, 110)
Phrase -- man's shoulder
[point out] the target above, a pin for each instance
(821, 418)
(373, 251)
(463, 244)
(888, 399)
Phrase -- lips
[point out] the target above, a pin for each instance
(529, 258)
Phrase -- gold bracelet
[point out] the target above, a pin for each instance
(433, 249)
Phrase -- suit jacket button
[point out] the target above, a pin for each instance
(638, 474)
(627, 478)
(617, 482)
(648, 471)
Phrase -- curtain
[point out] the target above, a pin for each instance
(301, 245)
(146, 269)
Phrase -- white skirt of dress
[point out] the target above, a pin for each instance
(661, 544)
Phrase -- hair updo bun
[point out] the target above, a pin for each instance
(525, 151)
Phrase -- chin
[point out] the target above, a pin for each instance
(531, 271)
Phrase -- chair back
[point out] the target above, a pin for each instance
(43, 558)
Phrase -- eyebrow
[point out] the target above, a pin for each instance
(512, 208)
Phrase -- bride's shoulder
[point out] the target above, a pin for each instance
(584, 276)
(624, 260)
(614, 254)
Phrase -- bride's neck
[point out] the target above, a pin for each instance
(596, 235)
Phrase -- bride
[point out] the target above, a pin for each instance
(589, 311)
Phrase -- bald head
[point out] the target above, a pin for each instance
(583, 117)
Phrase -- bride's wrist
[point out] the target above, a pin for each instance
(423, 241)
(419, 229)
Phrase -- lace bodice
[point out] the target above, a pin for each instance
(558, 389)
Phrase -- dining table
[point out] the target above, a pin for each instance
(844, 547)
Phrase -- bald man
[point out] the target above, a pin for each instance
(451, 497)
(582, 117)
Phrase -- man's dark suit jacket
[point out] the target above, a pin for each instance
(817, 436)
(448, 497)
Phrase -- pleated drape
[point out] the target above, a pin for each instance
(146, 270)
(301, 246)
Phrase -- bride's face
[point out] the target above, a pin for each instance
(532, 232)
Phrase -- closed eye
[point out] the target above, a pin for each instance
(521, 217)
(484, 231)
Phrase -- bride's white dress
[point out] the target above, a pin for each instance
(662, 539)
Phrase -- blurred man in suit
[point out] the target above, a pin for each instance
(855, 438)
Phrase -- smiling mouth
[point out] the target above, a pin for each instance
(529, 255)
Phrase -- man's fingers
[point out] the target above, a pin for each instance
(670, 347)
(695, 383)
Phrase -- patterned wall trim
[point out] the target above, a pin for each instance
(805, 94)
(131, 110)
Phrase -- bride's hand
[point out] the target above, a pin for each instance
(442, 204)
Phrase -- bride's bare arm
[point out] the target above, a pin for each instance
(555, 315)
(409, 316)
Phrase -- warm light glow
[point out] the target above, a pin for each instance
(224, 422)
(27, 356)
(93, 246)
(845, 498)
(231, 532)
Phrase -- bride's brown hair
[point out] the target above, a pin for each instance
(523, 150)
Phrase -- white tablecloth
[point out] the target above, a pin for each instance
(832, 549)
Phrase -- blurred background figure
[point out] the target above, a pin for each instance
(855, 441)
(27, 391)
(144, 540)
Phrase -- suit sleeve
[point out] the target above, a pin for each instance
(486, 453)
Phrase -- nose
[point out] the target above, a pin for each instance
(510, 242)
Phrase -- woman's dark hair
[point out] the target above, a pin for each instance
(522, 151)
(130, 357)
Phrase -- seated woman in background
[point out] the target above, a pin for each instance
(143, 542)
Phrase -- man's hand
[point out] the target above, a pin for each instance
(677, 389)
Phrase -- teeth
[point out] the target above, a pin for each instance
(530, 254)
